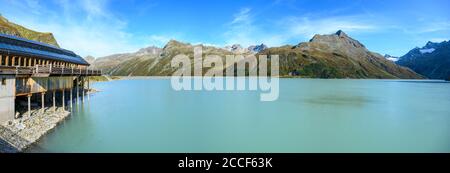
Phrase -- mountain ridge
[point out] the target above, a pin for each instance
(431, 60)
(324, 56)
(336, 56)
(10, 28)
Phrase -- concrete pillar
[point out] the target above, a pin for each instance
(78, 89)
(42, 102)
(29, 104)
(88, 89)
(7, 60)
(54, 100)
(63, 100)
(13, 61)
(71, 100)
(82, 89)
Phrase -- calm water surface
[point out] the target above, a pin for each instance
(311, 115)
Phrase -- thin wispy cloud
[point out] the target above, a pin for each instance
(433, 26)
(243, 30)
(243, 17)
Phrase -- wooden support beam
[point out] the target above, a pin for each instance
(1, 59)
(34, 64)
(20, 61)
(7, 60)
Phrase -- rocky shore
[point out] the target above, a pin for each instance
(21, 133)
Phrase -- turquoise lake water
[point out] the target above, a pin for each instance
(310, 115)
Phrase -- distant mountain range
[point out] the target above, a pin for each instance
(336, 56)
(324, 56)
(7, 27)
(432, 60)
(238, 49)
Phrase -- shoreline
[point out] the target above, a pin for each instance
(20, 134)
(280, 77)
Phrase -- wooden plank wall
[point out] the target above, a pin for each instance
(38, 85)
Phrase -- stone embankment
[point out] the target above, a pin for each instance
(21, 133)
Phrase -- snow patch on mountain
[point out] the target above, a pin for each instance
(430, 50)
(391, 58)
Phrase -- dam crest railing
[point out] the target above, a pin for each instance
(49, 70)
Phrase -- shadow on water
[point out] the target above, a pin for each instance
(340, 100)
(36, 149)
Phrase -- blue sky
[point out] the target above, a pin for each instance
(104, 27)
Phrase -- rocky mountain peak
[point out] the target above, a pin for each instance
(235, 48)
(431, 60)
(336, 41)
(152, 50)
(257, 48)
(174, 43)
(341, 34)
